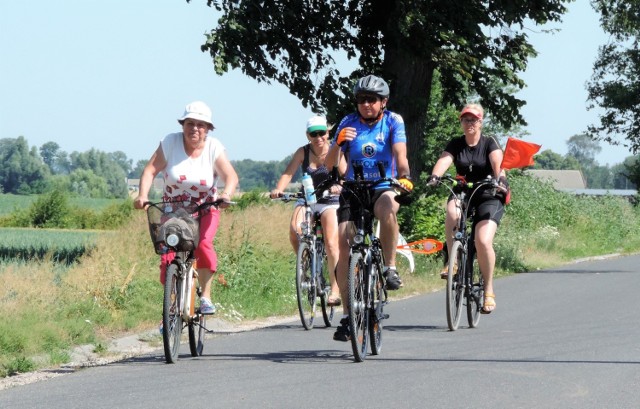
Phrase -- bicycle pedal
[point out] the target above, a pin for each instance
(385, 316)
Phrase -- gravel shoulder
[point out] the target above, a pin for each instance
(126, 347)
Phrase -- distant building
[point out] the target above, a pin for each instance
(572, 181)
(561, 179)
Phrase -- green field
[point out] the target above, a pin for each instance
(62, 246)
(10, 202)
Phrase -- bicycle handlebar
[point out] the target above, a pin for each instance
(470, 185)
(216, 203)
(288, 197)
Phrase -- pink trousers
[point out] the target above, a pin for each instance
(205, 253)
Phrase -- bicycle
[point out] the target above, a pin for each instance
(173, 226)
(312, 275)
(367, 285)
(464, 279)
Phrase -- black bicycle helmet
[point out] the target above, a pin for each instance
(371, 85)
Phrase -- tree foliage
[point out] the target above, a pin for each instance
(615, 83)
(22, 170)
(551, 160)
(259, 175)
(112, 167)
(298, 43)
(583, 149)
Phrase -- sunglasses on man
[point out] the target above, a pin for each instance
(315, 134)
(367, 99)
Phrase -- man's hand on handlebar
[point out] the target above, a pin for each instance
(406, 183)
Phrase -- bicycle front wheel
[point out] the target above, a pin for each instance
(358, 309)
(475, 299)
(306, 285)
(455, 287)
(171, 314)
(378, 296)
(323, 283)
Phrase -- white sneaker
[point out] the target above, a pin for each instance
(206, 306)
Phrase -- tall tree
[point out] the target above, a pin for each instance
(121, 159)
(615, 83)
(137, 171)
(472, 44)
(22, 169)
(48, 152)
(583, 149)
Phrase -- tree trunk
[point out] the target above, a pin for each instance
(410, 98)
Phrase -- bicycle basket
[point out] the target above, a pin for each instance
(177, 218)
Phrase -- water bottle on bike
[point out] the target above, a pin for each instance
(309, 190)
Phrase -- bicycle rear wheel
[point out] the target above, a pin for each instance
(197, 331)
(305, 285)
(475, 299)
(171, 314)
(455, 287)
(358, 311)
(378, 296)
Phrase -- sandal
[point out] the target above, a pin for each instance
(489, 304)
(334, 301)
(445, 271)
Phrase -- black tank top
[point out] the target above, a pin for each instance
(318, 175)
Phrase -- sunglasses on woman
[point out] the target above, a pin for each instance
(315, 134)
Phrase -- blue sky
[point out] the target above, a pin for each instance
(114, 76)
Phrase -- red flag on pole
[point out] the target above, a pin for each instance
(518, 154)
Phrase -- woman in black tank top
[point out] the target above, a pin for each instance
(475, 157)
(310, 159)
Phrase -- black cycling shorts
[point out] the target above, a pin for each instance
(349, 209)
(487, 209)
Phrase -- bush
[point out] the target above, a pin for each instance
(251, 198)
(54, 210)
(50, 210)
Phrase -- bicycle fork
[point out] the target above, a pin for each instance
(187, 287)
(377, 294)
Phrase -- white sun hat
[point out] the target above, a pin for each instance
(197, 110)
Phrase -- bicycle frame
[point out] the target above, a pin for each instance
(188, 289)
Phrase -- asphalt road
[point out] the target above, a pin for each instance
(562, 338)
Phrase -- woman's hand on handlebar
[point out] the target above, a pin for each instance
(433, 180)
(140, 202)
(275, 193)
(503, 184)
(224, 203)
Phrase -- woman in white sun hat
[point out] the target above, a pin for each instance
(192, 164)
(310, 159)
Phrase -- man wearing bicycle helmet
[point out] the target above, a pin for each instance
(475, 157)
(370, 135)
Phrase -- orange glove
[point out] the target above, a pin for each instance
(406, 183)
(341, 138)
